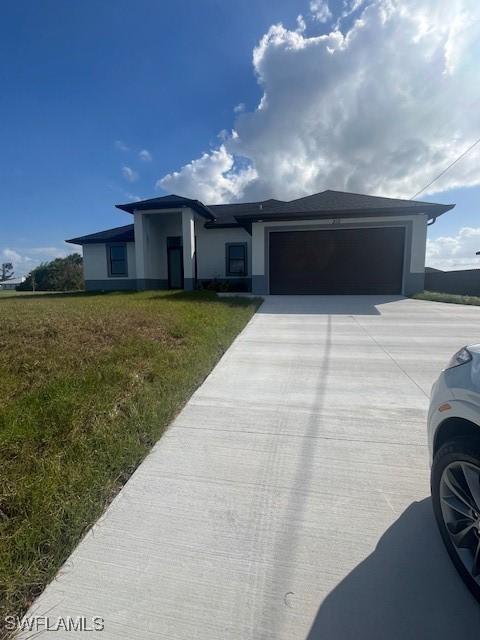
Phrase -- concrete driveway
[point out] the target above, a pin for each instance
(289, 500)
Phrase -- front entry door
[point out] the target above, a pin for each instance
(175, 267)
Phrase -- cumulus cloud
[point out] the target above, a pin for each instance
(145, 155)
(214, 177)
(455, 252)
(129, 174)
(379, 106)
(320, 10)
(26, 259)
(11, 255)
(239, 108)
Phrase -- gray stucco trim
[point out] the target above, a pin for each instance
(144, 284)
(115, 284)
(259, 285)
(413, 283)
(409, 279)
(188, 284)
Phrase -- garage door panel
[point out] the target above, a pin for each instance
(337, 261)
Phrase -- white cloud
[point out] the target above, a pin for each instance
(301, 24)
(455, 252)
(239, 108)
(11, 255)
(145, 155)
(26, 259)
(45, 250)
(129, 174)
(381, 108)
(320, 10)
(131, 196)
(212, 178)
(121, 146)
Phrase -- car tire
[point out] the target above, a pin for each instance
(466, 453)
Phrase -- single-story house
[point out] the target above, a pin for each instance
(11, 284)
(327, 243)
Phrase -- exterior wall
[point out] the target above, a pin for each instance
(415, 245)
(211, 252)
(95, 269)
(147, 257)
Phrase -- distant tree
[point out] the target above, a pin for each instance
(61, 274)
(6, 271)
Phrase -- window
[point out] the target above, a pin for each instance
(117, 260)
(237, 259)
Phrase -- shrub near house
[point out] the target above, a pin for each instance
(61, 274)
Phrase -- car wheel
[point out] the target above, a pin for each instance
(455, 483)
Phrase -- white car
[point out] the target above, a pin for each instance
(454, 441)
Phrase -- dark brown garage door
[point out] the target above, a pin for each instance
(337, 261)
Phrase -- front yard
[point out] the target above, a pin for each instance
(89, 382)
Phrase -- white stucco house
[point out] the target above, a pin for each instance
(327, 243)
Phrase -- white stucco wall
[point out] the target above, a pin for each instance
(211, 250)
(419, 235)
(95, 266)
(155, 227)
(419, 244)
(152, 229)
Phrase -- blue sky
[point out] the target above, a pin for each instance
(87, 86)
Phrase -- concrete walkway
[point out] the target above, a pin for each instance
(289, 500)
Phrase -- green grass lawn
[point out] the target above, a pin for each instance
(447, 297)
(89, 383)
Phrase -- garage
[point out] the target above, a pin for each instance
(337, 261)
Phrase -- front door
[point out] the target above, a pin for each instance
(175, 267)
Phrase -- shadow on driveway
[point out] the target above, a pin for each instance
(326, 305)
(407, 588)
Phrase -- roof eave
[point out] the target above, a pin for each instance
(433, 211)
(215, 224)
(196, 205)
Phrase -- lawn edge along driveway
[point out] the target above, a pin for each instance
(90, 382)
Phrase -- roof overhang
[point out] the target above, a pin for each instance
(433, 211)
(118, 234)
(168, 202)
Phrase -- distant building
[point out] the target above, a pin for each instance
(11, 284)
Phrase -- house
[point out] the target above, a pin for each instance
(11, 284)
(327, 243)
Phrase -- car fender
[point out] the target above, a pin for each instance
(458, 409)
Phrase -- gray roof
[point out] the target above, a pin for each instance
(118, 234)
(319, 205)
(325, 204)
(167, 202)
